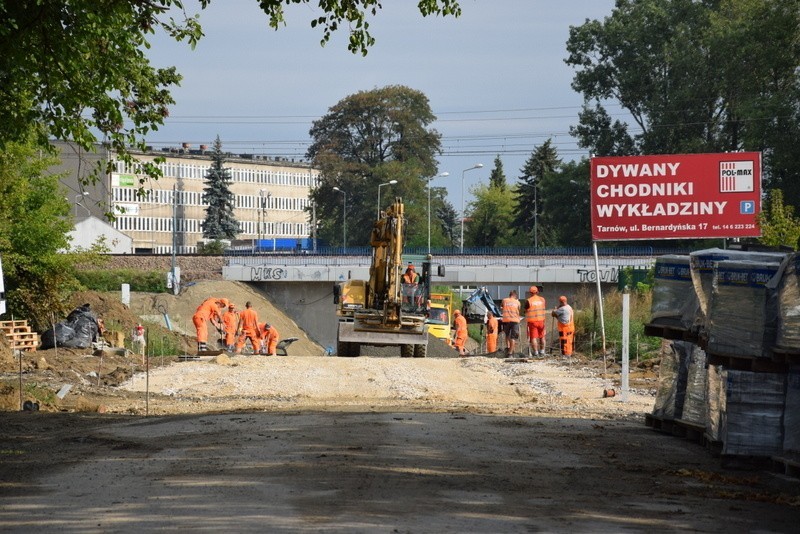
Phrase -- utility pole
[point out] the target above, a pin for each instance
(175, 275)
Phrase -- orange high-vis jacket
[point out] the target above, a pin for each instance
(248, 320)
(231, 322)
(208, 310)
(536, 309)
(510, 309)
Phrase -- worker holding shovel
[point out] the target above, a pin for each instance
(565, 319)
(230, 325)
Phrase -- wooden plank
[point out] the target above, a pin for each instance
(788, 465)
(13, 324)
(21, 340)
(691, 431)
(747, 363)
(669, 332)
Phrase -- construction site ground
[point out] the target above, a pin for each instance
(308, 442)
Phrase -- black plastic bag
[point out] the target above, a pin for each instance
(77, 332)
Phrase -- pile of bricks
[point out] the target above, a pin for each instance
(19, 335)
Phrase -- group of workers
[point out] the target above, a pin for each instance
(535, 312)
(237, 327)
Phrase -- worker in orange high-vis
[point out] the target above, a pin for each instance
(535, 311)
(248, 328)
(510, 310)
(230, 323)
(565, 319)
(460, 339)
(410, 284)
(491, 333)
(209, 310)
(269, 340)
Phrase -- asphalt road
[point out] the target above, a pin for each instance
(372, 472)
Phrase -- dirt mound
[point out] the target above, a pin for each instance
(93, 375)
(178, 310)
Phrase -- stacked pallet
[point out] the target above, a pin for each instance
(19, 335)
(741, 391)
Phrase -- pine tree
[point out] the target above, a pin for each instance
(543, 160)
(220, 222)
(498, 177)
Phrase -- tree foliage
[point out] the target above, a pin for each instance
(695, 76)
(368, 139)
(489, 217)
(542, 161)
(564, 197)
(779, 225)
(220, 222)
(35, 219)
(80, 69)
(497, 178)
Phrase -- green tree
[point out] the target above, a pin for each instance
(779, 226)
(447, 217)
(368, 139)
(444, 220)
(542, 161)
(220, 223)
(565, 217)
(489, 218)
(80, 67)
(705, 76)
(34, 221)
(497, 178)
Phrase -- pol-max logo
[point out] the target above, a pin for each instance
(736, 176)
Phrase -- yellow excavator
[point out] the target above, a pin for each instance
(388, 309)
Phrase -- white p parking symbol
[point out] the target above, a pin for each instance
(747, 207)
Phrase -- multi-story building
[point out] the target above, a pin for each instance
(271, 198)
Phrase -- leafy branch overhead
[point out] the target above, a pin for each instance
(80, 68)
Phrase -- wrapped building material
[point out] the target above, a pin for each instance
(695, 405)
(672, 373)
(742, 314)
(702, 270)
(674, 301)
(715, 402)
(751, 422)
(788, 336)
(791, 411)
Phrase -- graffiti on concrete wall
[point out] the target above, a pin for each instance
(263, 274)
(609, 274)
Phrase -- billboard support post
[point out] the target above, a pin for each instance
(600, 303)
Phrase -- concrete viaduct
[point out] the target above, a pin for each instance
(303, 284)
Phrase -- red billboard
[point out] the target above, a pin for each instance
(676, 196)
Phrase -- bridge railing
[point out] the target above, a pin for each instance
(472, 261)
(638, 251)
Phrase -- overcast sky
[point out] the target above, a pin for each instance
(495, 77)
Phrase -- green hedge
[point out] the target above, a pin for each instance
(112, 280)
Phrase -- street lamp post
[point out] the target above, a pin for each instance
(476, 166)
(262, 216)
(344, 219)
(390, 182)
(535, 216)
(444, 174)
(78, 199)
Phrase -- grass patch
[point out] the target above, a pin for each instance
(112, 280)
